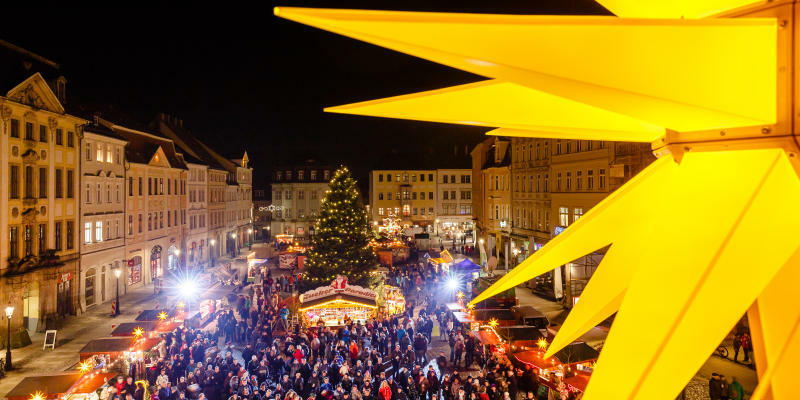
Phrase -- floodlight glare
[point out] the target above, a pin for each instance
(187, 288)
(452, 283)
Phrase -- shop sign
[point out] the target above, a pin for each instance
(338, 286)
(65, 277)
(558, 229)
(270, 208)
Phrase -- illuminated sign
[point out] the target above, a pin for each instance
(270, 208)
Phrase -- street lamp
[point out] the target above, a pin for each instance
(117, 273)
(9, 313)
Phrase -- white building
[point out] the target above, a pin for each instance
(296, 195)
(454, 205)
(102, 211)
(197, 233)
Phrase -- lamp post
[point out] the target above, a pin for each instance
(117, 273)
(9, 313)
(249, 238)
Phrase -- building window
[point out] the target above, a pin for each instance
(389, 196)
(563, 216)
(430, 195)
(28, 131)
(388, 177)
(546, 183)
(140, 223)
(59, 183)
(29, 182)
(380, 196)
(406, 210)
(601, 183)
(70, 234)
(161, 219)
(42, 133)
(577, 214)
(301, 195)
(28, 241)
(13, 239)
(380, 211)
(70, 139)
(313, 195)
(413, 195)
(42, 183)
(108, 154)
(58, 236)
(98, 231)
(416, 211)
(569, 180)
(430, 210)
(161, 186)
(70, 184)
(413, 178)
(590, 179)
(42, 237)
(314, 175)
(87, 232)
(117, 158)
(578, 179)
(99, 152)
(301, 175)
(445, 194)
(140, 186)
(15, 128)
(130, 224)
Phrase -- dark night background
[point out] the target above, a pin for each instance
(242, 79)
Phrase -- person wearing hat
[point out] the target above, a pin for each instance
(714, 387)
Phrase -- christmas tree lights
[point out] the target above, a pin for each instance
(341, 244)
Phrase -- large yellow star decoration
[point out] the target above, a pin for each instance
(138, 332)
(706, 232)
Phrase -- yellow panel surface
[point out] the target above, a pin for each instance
(671, 73)
(687, 289)
(505, 104)
(672, 8)
(779, 312)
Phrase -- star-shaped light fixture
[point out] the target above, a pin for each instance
(710, 84)
(162, 315)
(138, 332)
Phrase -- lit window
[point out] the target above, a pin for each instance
(98, 231)
(87, 232)
(577, 214)
(563, 216)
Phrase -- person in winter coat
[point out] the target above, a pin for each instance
(735, 390)
(385, 392)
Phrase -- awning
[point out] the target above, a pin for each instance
(127, 328)
(453, 307)
(444, 257)
(342, 300)
(577, 352)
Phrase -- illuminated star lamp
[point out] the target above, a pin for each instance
(542, 344)
(493, 322)
(85, 366)
(37, 396)
(712, 96)
(138, 332)
(162, 315)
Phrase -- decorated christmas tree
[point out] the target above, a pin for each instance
(340, 245)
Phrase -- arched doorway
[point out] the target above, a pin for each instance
(155, 263)
(172, 258)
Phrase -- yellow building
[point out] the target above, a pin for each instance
(408, 195)
(39, 193)
(492, 163)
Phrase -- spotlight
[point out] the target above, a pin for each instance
(452, 283)
(187, 288)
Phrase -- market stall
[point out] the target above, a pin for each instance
(393, 300)
(337, 303)
(117, 347)
(63, 386)
(157, 315)
(571, 366)
(466, 268)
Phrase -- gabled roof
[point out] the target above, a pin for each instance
(142, 146)
(192, 147)
(35, 92)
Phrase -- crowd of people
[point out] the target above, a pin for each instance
(386, 358)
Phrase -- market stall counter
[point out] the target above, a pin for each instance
(337, 304)
(67, 386)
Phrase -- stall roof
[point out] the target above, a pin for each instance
(118, 345)
(453, 307)
(501, 314)
(53, 386)
(341, 298)
(152, 315)
(127, 328)
(444, 257)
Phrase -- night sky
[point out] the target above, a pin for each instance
(241, 78)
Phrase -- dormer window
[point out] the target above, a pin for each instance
(300, 175)
(288, 175)
(278, 175)
(313, 174)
